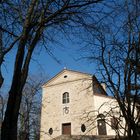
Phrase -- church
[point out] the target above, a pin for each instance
(75, 103)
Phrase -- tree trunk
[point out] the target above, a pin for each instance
(132, 130)
(9, 125)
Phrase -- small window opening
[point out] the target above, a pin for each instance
(83, 128)
(50, 131)
(65, 76)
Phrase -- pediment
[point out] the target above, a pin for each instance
(66, 76)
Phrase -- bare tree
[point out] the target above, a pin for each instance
(117, 53)
(4, 49)
(31, 22)
(3, 101)
(107, 113)
(29, 118)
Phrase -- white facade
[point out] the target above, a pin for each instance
(83, 101)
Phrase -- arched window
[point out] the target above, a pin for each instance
(100, 116)
(66, 98)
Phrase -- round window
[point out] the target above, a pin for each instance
(65, 76)
(83, 128)
(50, 131)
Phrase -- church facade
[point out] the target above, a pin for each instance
(75, 103)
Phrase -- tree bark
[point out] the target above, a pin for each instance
(9, 125)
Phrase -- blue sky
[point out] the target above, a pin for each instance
(68, 55)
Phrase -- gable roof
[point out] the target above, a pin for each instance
(71, 76)
(63, 72)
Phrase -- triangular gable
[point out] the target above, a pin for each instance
(66, 76)
(97, 87)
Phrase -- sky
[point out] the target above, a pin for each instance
(68, 56)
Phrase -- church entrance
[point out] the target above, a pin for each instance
(101, 127)
(66, 129)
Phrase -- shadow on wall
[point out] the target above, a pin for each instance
(78, 137)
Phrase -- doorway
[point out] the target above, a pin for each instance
(66, 129)
(101, 127)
